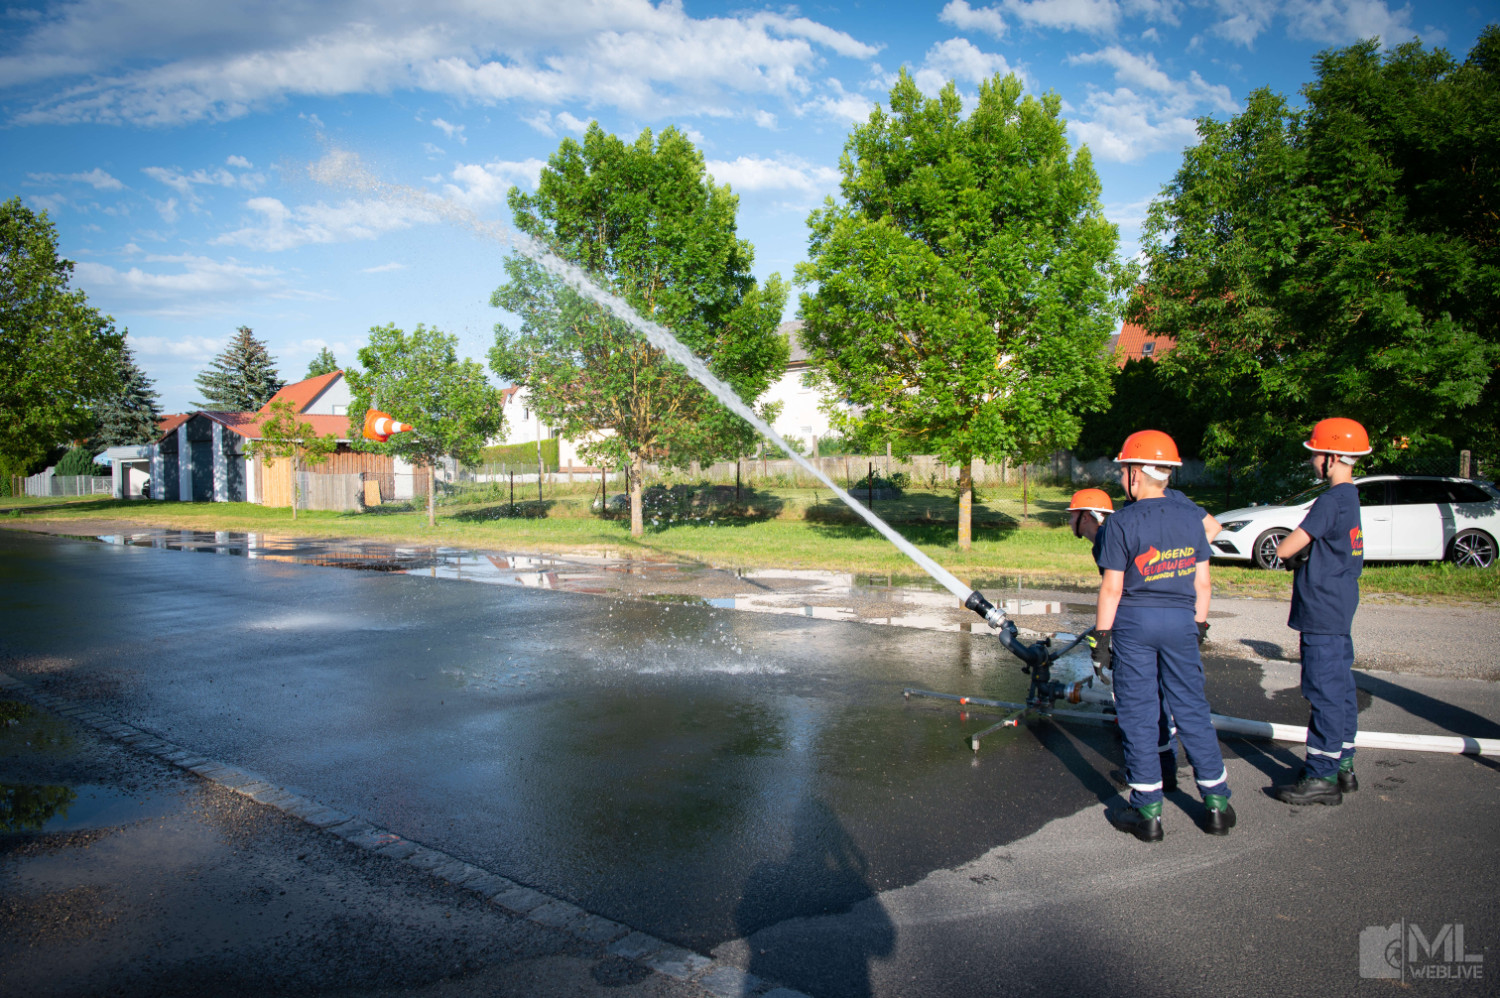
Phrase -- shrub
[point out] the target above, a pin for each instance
(78, 461)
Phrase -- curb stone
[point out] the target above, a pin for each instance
(705, 973)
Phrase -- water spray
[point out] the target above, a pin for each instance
(343, 168)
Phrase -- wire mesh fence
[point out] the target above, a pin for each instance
(44, 485)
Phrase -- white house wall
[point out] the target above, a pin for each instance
(333, 400)
(801, 413)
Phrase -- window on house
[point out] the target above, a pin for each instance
(1148, 348)
(340, 410)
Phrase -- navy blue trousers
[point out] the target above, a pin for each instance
(1152, 642)
(1328, 685)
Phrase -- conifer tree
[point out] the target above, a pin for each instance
(129, 416)
(323, 363)
(242, 378)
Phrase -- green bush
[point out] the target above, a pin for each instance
(78, 461)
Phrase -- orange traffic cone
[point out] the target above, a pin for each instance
(379, 426)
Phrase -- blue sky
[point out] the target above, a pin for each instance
(170, 140)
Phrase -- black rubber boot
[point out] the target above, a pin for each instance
(1218, 817)
(1309, 790)
(1144, 822)
(1348, 782)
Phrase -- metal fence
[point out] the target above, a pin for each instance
(43, 485)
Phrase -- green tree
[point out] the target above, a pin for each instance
(78, 461)
(242, 378)
(131, 414)
(1339, 259)
(285, 438)
(962, 291)
(651, 227)
(418, 379)
(323, 363)
(58, 354)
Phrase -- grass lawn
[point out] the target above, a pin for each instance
(769, 528)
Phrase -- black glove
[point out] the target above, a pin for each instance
(1202, 632)
(1297, 560)
(1103, 660)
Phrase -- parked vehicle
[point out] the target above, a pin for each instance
(1404, 517)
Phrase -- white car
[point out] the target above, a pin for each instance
(1405, 518)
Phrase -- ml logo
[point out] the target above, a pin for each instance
(1403, 951)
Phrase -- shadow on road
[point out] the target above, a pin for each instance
(780, 910)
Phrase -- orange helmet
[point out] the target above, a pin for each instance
(1095, 499)
(1340, 436)
(1149, 447)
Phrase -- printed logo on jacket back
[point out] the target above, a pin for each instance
(1356, 542)
(1154, 565)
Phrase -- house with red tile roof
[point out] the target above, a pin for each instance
(1132, 342)
(201, 456)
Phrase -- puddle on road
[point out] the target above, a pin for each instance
(58, 808)
(893, 600)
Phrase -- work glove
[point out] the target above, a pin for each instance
(1202, 632)
(1297, 560)
(1103, 660)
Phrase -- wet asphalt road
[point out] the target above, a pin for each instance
(708, 776)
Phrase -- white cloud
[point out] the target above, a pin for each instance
(1093, 16)
(961, 61)
(966, 18)
(384, 268)
(576, 125)
(765, 119)
(757, 173)
(166, 209)
(282, 228)
(1246, 20)
(202, 349)
(477, 185)
(239, 162)
(95, 178)
(541, 121)
(433, 151)
(452, 131)
(174, 62)
(182, 284)
(1126, 124)
(1341, 21)
(1123, 126)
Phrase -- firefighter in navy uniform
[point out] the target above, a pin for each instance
(1153, 607)
(1327, 553)
(1088, 514)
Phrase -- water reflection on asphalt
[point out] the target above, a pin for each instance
(873, 599)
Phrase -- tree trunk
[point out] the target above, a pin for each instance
(966, 505)
(432, 494)
(637, 519)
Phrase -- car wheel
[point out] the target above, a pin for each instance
(1473, 548)
(1264, 552)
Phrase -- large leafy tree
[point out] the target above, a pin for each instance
(418, 379)
(1341, 258)
(129, 415)
(242, 378)
(58, 354)
(961, 292)
(648, 225)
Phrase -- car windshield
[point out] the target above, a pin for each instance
(1306, 495)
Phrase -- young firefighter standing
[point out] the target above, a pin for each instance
(1328, 552)
(1153, 604)
(1088, 513)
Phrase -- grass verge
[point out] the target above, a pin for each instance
(772, 528)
